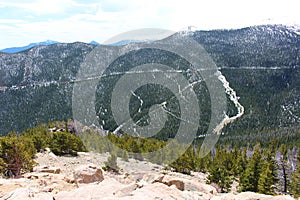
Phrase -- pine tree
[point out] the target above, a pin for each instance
(241, 163)
(268, 176)
(284, 166)
(220, 171)
(136, 149)
(184, 164)
(204, 163)
(295, 184)
(249, 180)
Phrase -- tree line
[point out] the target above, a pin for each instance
(18, 150)
(270, 169)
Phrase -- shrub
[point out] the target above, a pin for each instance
(63, 143)
(16, 153)
(40, 136)
(111, 164)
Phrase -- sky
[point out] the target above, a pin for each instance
(26, 21)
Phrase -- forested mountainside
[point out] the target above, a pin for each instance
(262, 64)
(257, 46)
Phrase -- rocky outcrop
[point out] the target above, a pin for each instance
(78, 180)
(27, 193)
(88, 174)
(108, 189)
(185, 184)
(169, 181)
(47, 169)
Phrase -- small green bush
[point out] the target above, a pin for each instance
(111, 164)
(16, 153)
(63, 143)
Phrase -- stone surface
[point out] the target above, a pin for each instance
(108, 188)
(186, 184)
(27, 194)
(137, 180)
(88, 174)
(169, 181)
(47, 169)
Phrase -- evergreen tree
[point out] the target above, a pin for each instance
(136, 149)
(185, 163)
(241, 162)
(220, 171)
(268, 176)
(295, 184)
(204, 163)
(284, 166)
(249, 180)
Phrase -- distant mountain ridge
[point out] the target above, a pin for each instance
(262, 64)
(31, 45)
(292, 30)
(50, 42)
(94, 42)
(125, 42)
(19, 49)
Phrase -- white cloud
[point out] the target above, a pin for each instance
(100, 20)
(40, 7)
(11, 21)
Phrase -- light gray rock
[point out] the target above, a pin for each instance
(47, 169)
(88, 174)
(186, 184)
(170, 180)
(107, 189)
(138, 181)
(27, 194)
(161, 191)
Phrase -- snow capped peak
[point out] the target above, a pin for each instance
(189, 29)
(50, 42)
(295, 29)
